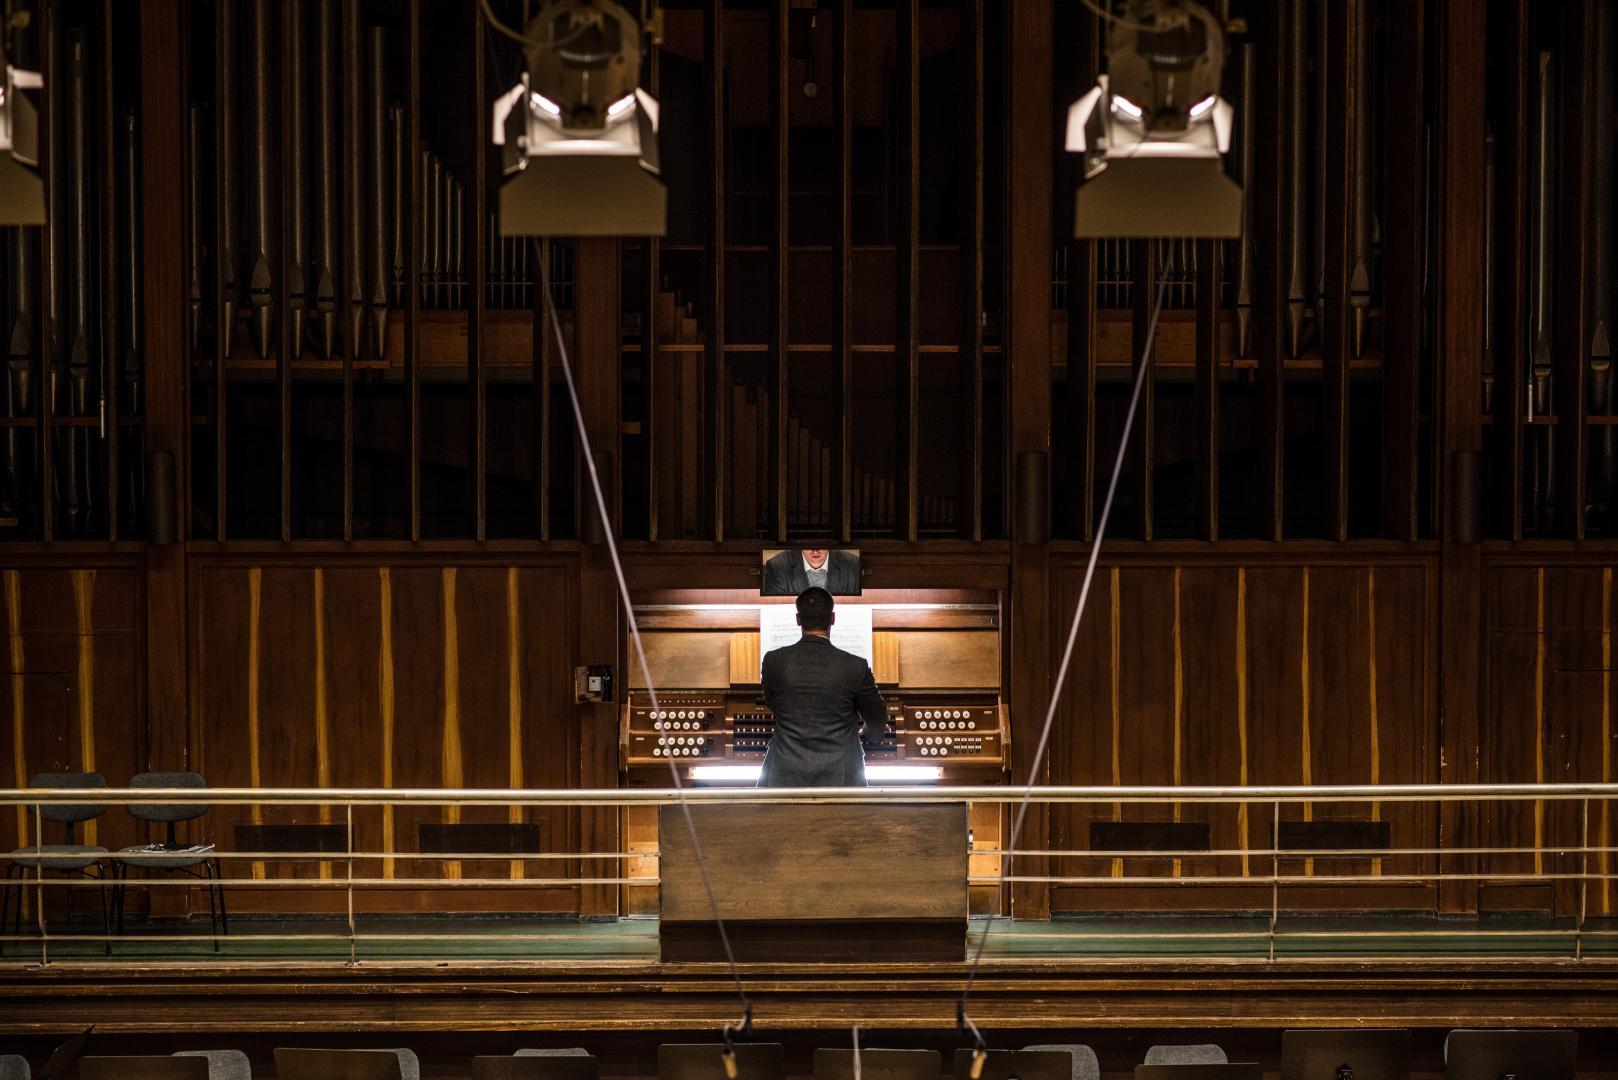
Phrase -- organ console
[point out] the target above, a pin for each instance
(936, 659)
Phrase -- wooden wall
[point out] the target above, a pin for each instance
(378, 675)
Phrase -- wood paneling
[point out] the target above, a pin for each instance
(290, 692)
(1272, 673)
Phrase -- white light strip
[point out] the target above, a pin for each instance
(749, 774)
(1203, 106)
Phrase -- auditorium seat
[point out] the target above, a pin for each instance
(569, 1051)
(837, 1063)
(1059, 1063)
(704, 1061)
(70, 857)
(1192, 1054)
(223, 1064)
(296, 1063)
(144, 1067)
(13, 1067)
(566, 1063)
(169, 855)
(1374, 1054)
(1085, 1065)
(1487, 1055)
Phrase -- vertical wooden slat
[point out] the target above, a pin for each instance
(347, 113)
(1207, 362)
(162, 106)
(907, 261)
(1029, 55)
(780, 483)
(1142, 457)
(224, 32)
(1511, 286)
(716, 377)
(1575, 240)
(286, 352)
(971, 356)
(1458, 194)
(650, 360)
(477, 272)
(1335, 320)
(50, 310)
(412, 272)
(541, 396)
(1081, 305)
(1269, 286)
(109, 274)
(1404, 119)
(843, 267)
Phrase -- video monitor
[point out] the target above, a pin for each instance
(789, 571)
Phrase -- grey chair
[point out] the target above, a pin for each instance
(71, 857)
(14, 1067)
(1194, 1054)
(567, 1051)
(1085, 1065)
(223, 1064)
(170, 856)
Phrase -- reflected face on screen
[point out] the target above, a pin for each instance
(815, 557)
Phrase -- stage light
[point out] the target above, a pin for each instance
(749, 774)
(579, 136)
(22, 192)
(1153, 130)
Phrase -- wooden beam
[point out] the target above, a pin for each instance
(842, 465)
(973, 137)
(1269, 285)
(163, 115)
(1343, 19)
(286, 349)
(109, 268)
(1574, 244)
(907, 277)
(716, 375)
(1509, 71)
(476, 241)
(1030, 128)
(412, 268)
(1142, 458)
(780, 296)
(225, 31)
(1459, 191)
(1404, 134)
(1207, 364)
(1081, 302)
(540, 393)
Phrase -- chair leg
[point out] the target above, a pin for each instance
(219, 887)
(106, 909)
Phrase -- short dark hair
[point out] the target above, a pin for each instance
(814, 608)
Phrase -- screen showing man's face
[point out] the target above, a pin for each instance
(815, 557)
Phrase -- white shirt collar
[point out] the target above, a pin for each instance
(824, 567)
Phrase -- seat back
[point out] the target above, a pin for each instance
(877, 1064)
(1021, 1064)
(1194, 1054)
(1376, 1054)
(1085, 1064)
(705, 1061)
(1488, 1055)
(14, 1067)
(537, 1065)
(295, 1063)
(167, 812)
(143, 1067)
(223, 1064)
(69, 813)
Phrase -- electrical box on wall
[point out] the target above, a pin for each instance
(592, 683)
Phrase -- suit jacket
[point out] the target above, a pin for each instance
(820, 696)
(784, 574)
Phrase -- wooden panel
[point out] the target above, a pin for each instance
(692, 661)
(816, 862)
(946, 659)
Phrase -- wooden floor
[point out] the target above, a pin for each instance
(563, 976)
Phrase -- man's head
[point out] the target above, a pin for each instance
(816, 557)
(815, 610)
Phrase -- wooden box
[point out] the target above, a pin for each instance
(850, 882)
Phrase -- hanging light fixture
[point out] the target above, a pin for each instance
(22, 192)
(1153, 131)
(579, 134)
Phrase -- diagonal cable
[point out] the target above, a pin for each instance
(1009, 856)
(635, 638)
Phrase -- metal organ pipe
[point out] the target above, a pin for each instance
(1297, 187)
(296, 172)
(260, 231)
(323, 273)
(1541, 446)
(227, 162)
(1604, 461)
(75, 474)
(132, 370)
(1248, 242)
(376, 114)
(353, 177)
(1359, 191)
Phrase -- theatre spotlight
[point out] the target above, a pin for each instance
(1153, 130)
(22, 192)
(579, 135)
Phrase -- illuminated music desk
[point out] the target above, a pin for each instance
(816, 882)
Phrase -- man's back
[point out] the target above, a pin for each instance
(820, 696)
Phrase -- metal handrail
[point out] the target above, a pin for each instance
(606, 797)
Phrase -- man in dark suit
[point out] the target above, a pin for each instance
(820, 695)
(792, 571)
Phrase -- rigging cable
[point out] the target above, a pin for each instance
(963, 1021)
(744, 1025)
